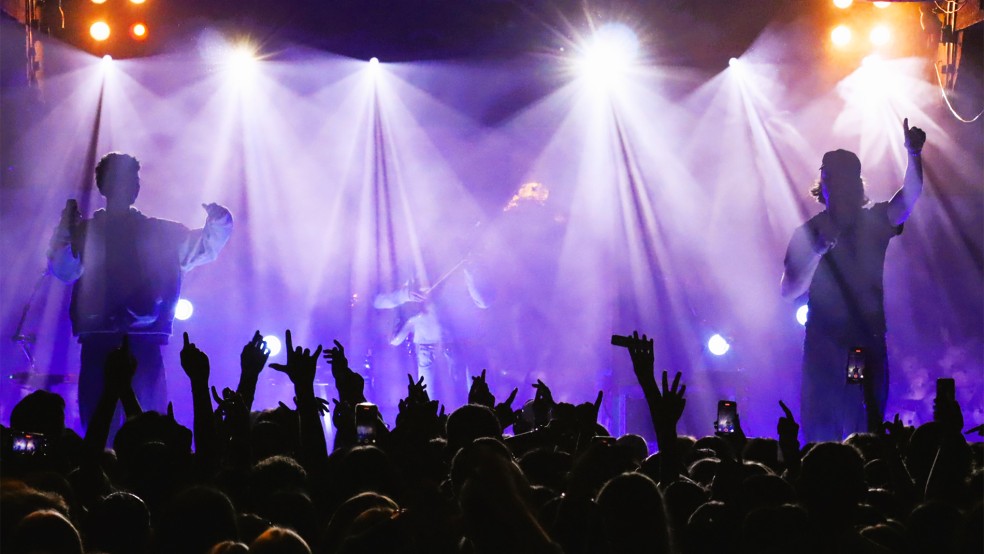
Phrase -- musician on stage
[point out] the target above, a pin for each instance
(127, 269)
(434, 319)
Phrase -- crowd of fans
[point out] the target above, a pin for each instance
(266, 481)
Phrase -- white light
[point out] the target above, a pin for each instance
(183, 310)
(880, 35)
(273, 343)
(843, 4)
(718, 345)
(609, 55)
(802, 313)
(734, 62)
(374, 61)
(99, 31)
(882, 4)
(107, 59)
(841, 36)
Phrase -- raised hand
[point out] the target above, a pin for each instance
(349, 384)
(301, 364)
(479, 392)
(504, 410)
(417, 392)
(121, 365)
(194, 362)
(668, 402)
(915, 137)
(643, 359)
(543, 403)
(587, 412)
(216, 212)
(254, 357)
(787, 428)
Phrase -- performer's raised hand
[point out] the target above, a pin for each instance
(217, 213)
(915, 137)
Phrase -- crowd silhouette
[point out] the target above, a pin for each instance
(490, 476)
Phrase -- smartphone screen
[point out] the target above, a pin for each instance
(855, 365)
(366, 416)
(725, 422)
(27, 444)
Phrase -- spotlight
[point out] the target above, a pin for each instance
(374, 61)
(733, 62)
(882, 4)
(137, 1)
(107, 59)
(183, 310)
(841, 36)
(880, 35)
(99, 31)
(273, 343)
(241, 59)
(843, 4)
(718, 345)
(802, 313)
(138, 31)
(610, 54)
(98, 1)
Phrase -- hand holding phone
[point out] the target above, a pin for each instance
(855, 365)
(726, 416)
(366, 419)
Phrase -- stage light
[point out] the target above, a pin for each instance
(843, 4)
(138, 31)
(241, 59)
(183, 310)
(733, 62)
(137, 1)
(98, 1)
(882, 4)
(841, 36)
(99, 31)
(273, 343)
(374, 61)
(718, 345)
(609, 55)
(880, 35)
(802, 313)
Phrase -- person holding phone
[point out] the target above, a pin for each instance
(837, 258)
(126, 270)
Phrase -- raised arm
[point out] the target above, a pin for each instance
(665, 405)
(203, 245)
(300, 368)
(904, 200)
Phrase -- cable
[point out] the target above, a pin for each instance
(946, 99)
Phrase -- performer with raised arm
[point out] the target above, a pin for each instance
(127, 269)
(430, 324)
(837, 257)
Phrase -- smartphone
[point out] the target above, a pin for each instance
(621, 340)
(855, 365)
(603, 440)
(366, 419)
(27, 444)
(946, 389)
(727, 412)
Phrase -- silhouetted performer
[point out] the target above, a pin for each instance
(838, 258)
(127, 270)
